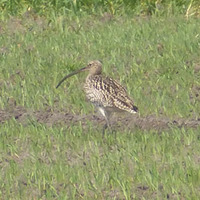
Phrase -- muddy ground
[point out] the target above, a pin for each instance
(128, 121)
(49, 117)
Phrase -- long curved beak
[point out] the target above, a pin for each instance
(71, 74)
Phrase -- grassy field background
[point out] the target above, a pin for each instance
(154, 54)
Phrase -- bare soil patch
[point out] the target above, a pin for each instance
(128, 121)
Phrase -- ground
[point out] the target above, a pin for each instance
(51, 143)
(51, 118)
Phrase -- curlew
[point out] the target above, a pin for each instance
(104, 92)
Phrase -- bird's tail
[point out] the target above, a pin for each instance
(134, 109)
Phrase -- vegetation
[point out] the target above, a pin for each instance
(80, 7)
(152, 47)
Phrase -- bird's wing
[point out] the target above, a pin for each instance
(107, 92)
(118, 95)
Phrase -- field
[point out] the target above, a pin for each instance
(51, 143)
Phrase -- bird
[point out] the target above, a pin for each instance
(105, 93)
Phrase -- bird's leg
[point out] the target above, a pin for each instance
(104, 129)
(107, 125)
(106, 116)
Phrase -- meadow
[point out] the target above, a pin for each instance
(51, 144)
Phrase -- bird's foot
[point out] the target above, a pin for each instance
(106, 126)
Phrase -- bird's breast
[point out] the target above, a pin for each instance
(94, 91)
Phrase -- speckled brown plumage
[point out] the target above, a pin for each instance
(105, 93)
(108, 93)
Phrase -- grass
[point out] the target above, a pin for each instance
(50, 8)
(157, 59)
(52, 163)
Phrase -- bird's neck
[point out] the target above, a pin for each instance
(92, 77)
(95, 73)
(89, 76)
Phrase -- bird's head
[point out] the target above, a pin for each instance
(94, 67)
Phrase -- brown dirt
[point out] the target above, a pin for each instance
(49, 117)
